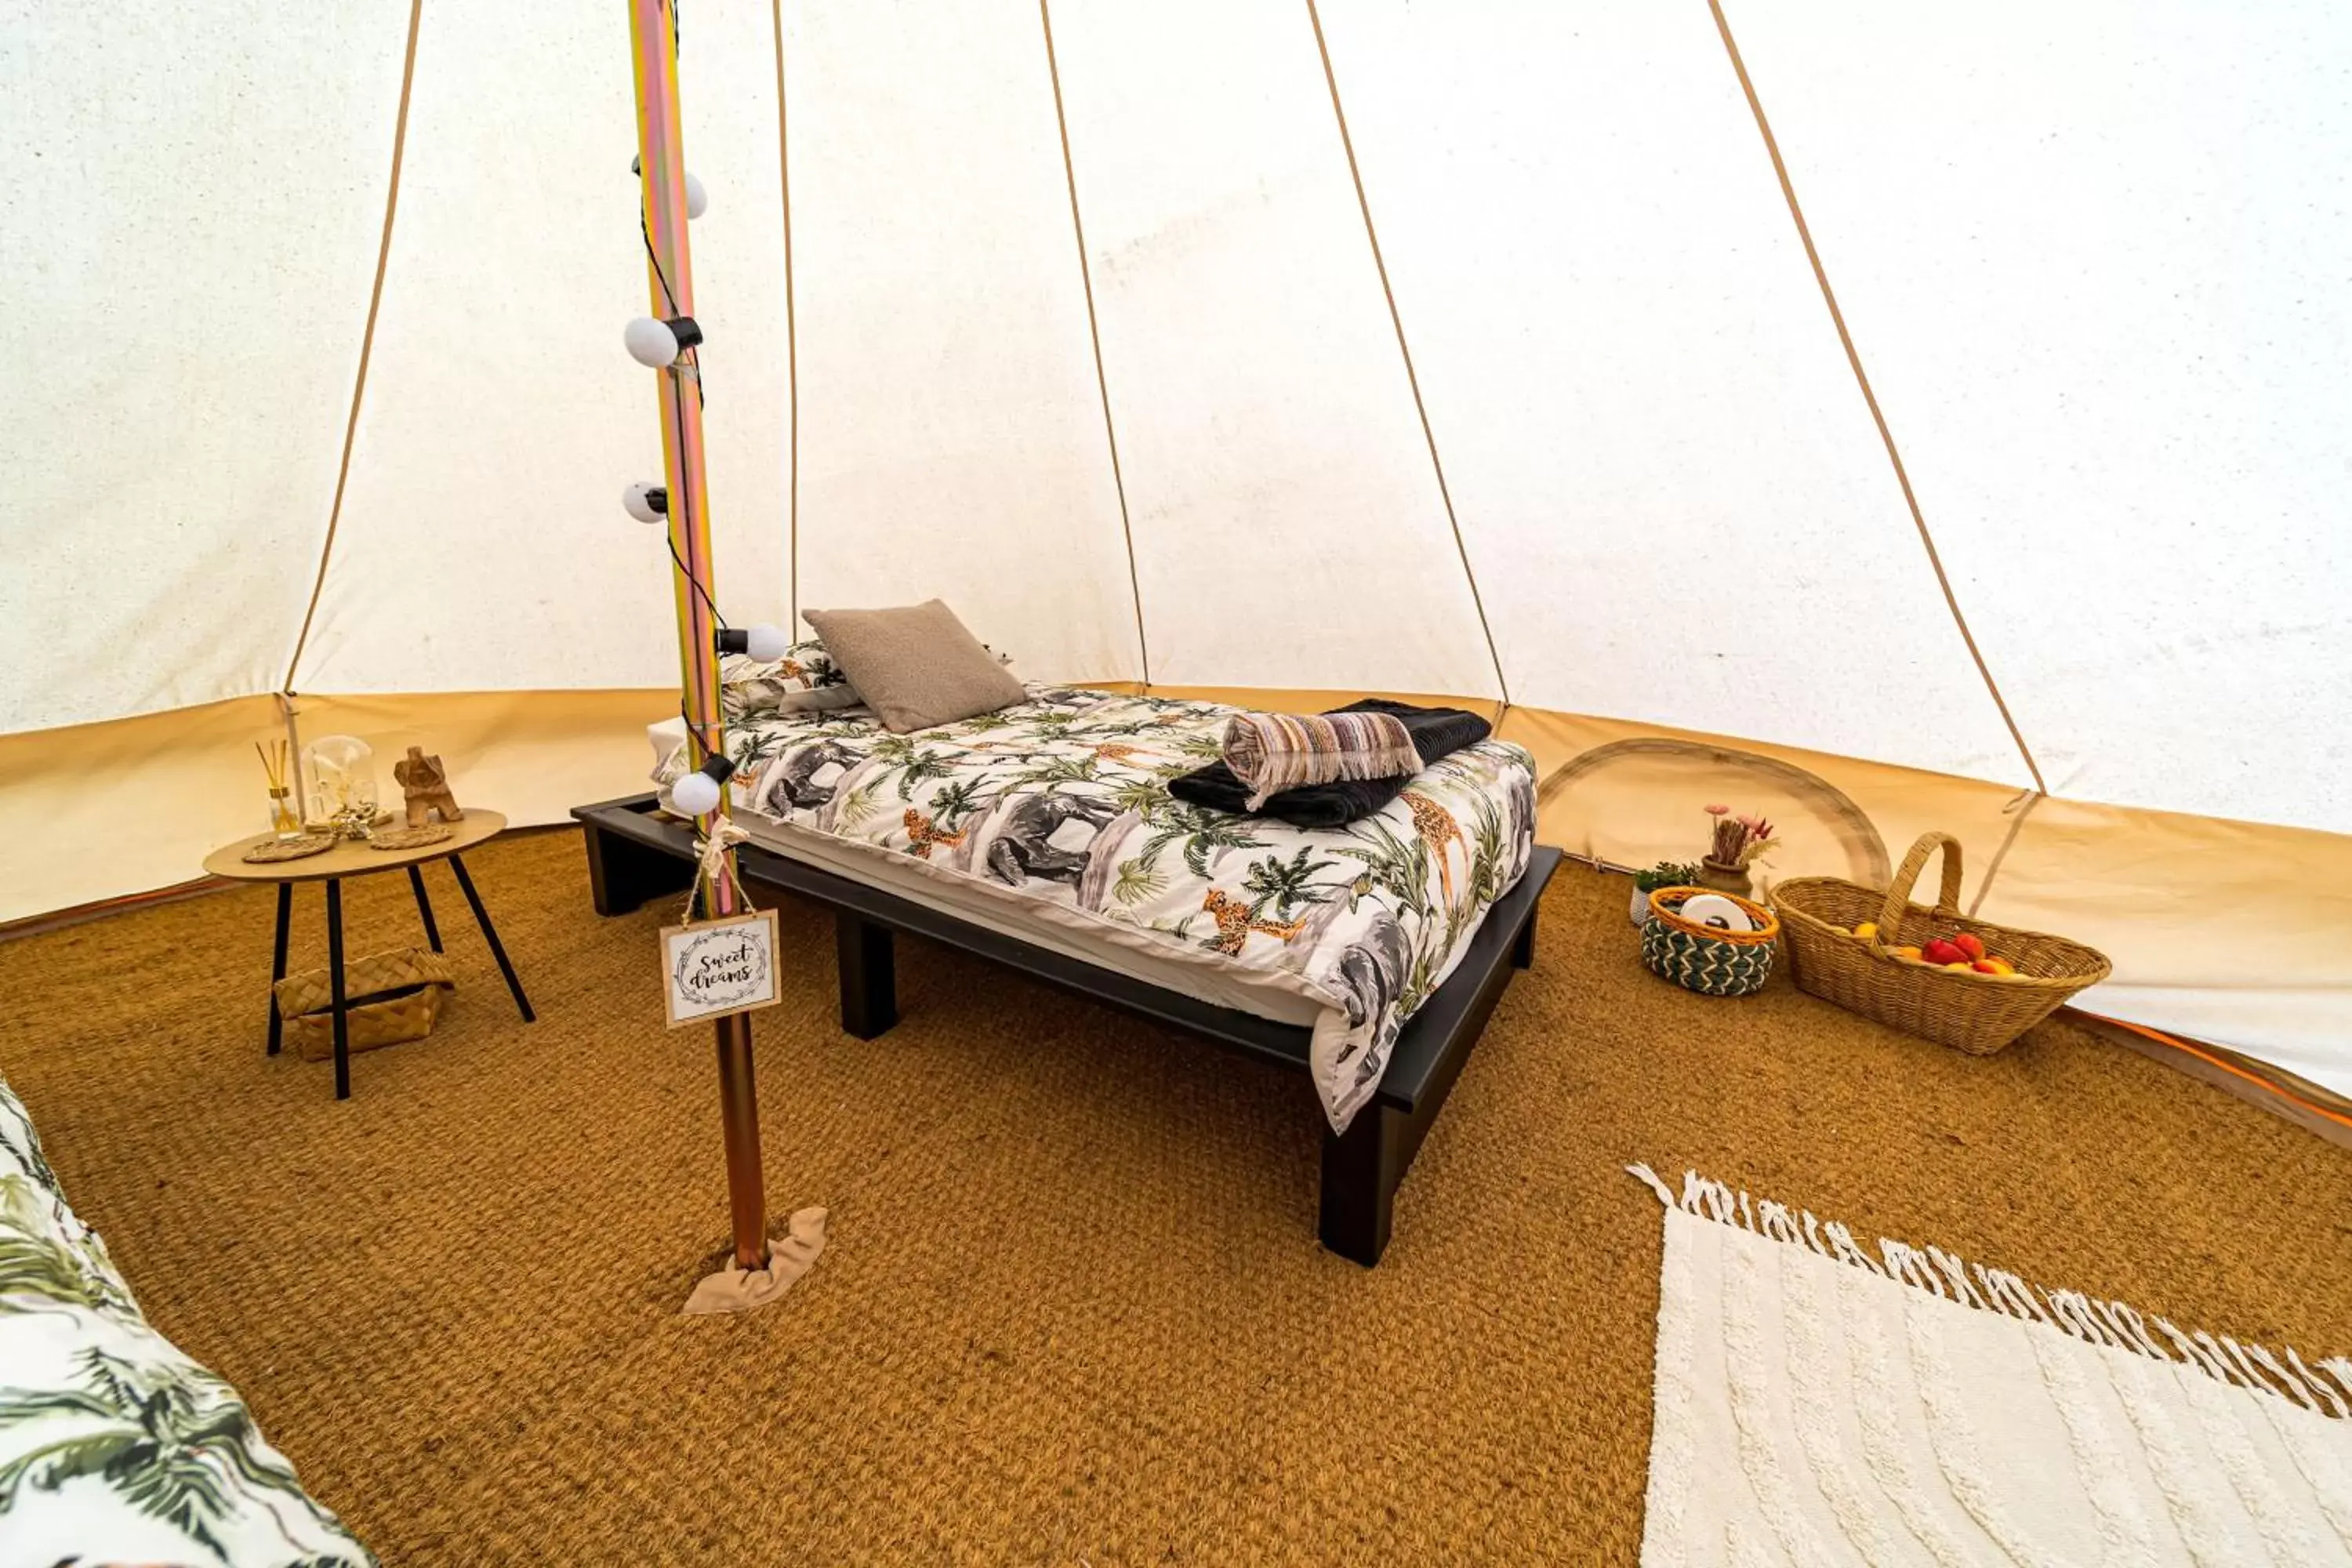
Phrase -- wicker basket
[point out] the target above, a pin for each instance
(387, 998)
(1707, 959)
(1975, 1013)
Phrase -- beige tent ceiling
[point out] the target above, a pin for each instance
(2092, 260)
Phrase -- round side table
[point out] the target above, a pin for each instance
(359, 860)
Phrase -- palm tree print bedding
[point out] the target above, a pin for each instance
(1062, 801)
(115, 1447)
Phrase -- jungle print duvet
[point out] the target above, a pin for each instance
(115, 1447)
(1062, 801)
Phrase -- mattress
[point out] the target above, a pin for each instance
(1051, 822)
(1244, 990)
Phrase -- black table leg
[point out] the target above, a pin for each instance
(1362, 1168)
(623, 876)
(278, 963)
(1523, 946)
(424, 908)
(869, 974)
(335, 974)
(490, 935)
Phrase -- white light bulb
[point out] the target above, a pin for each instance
(766, 643)
(698, 200)
(637, 502)
(697, 795)
(650, 342)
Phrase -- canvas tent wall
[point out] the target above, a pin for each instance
(1417, 349)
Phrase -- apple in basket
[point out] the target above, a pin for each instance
(1944, 950)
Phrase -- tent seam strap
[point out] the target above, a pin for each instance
(1094, 336)
(1404, 349)
(1869, 398)
(367, 345)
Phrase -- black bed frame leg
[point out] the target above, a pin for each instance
(869, 974)
(1523, 946)
(623, 876)
(1361, 1169)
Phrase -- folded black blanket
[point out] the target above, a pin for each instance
(1437, 732)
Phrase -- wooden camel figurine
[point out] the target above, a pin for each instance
(424, 783)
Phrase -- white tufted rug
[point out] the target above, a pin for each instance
(1816, 1405)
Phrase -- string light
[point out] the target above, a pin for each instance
(663, 344)
(646, 503)
(656, 344)
(696, 794)
(698, 200)
(763, 642)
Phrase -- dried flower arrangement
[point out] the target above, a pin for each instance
(1740, 839)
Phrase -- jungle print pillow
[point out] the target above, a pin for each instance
(806, 679)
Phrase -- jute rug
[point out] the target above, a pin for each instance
(1819, 1404)
(1072, 1309)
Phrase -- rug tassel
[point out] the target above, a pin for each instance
(1843, 1240)
(1909, 1265)
(2210, 1356)
(2075, 1317)
(2253, 1360)
(2194, 1353)
(1958, 1273)
(2109, 1320)
(2112, 1325)
(2335, 1405)
(1650, 1179)
(2138, 1327)
(2017, 1297)
(2224, 1348)
(1694, 1196)
(2270, 1364)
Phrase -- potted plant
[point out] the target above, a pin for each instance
(1739, 841)
(1664, 874)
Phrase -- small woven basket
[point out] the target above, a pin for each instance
(1970, 1012)
(388, 997)
(1703, 958)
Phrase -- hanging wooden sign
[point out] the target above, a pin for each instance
(712, 968)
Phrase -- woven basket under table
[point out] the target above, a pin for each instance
(388, 997)
(1707, 958)
(1975, 1013)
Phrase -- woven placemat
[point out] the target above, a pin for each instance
(270, 849)
(411, 838)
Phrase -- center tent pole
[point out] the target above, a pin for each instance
(652, 26)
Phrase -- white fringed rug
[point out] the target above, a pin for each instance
(1818, 1405)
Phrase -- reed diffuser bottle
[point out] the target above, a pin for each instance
(285, 811)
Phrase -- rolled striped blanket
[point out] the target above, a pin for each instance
(1271, 753)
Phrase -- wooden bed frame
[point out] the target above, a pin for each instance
(636, 854)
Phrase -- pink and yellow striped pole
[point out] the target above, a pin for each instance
(670, 276)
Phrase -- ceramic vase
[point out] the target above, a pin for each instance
(1724, 879)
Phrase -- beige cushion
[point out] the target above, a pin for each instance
(915, 666)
